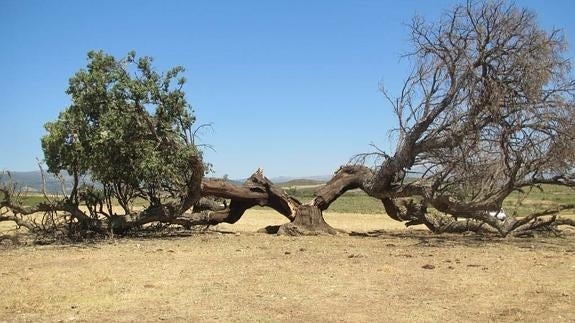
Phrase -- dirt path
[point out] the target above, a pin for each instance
(398, 276)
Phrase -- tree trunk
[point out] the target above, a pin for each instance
(308, 221)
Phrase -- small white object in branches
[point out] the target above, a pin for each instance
(499, 215)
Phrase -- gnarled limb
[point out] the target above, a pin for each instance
(19, 211)
(346, 178)
(256, 191)
(21, 222)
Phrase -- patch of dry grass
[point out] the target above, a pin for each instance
(402, 275)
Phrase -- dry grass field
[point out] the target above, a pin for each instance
(236, 274)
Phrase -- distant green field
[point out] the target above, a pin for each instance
(351, 202)
(358, 202)
(32, 200)
(546, 198)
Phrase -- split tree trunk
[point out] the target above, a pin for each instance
(305, 219)
(308, 221)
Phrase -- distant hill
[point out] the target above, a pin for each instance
(32, 181)
(285, 179)
(302, 182)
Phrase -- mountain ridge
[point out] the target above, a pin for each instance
(32, 180)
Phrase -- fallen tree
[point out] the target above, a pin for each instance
(304, 219)
(487, 111)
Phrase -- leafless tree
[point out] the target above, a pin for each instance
(487, 110)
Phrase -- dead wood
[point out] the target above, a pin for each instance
(308, 221)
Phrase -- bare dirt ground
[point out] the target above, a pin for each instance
(400, 275)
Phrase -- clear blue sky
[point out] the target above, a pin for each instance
(290, 86)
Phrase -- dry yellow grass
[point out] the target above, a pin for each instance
(399, 276)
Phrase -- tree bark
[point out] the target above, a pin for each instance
(258, 190)
(308, 221)
(345, 179)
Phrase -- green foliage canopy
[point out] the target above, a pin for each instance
(129, 128)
